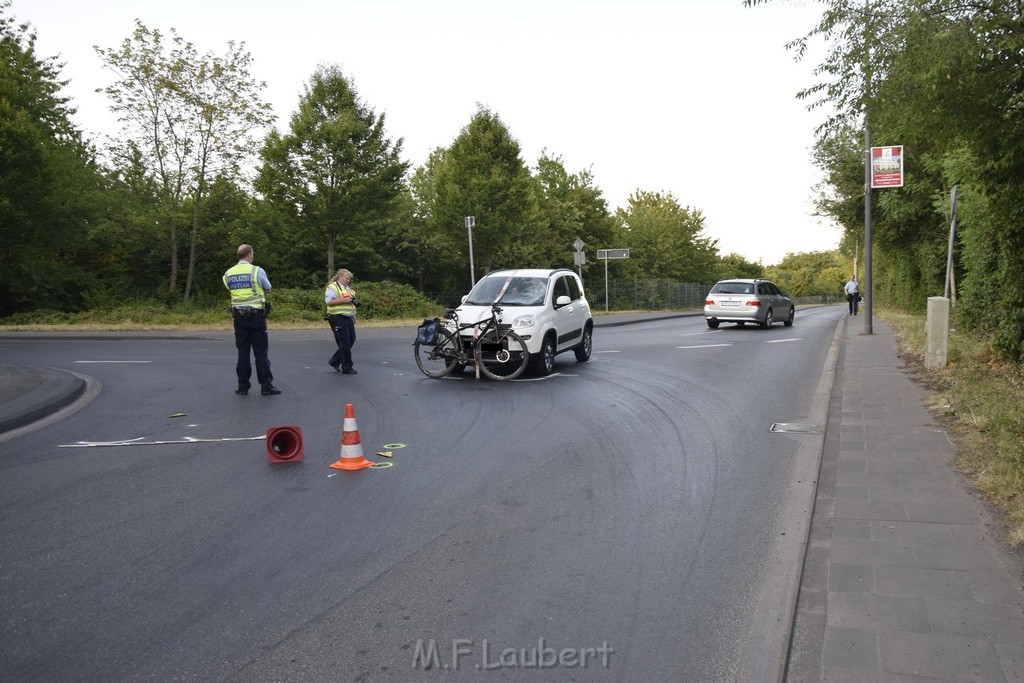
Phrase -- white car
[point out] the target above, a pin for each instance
(547, 308)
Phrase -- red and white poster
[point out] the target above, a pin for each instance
(887, 166)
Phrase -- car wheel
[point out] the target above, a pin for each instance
(789, 321)
(586, 345)
(712, 323)
(544, 362)
(767, 319)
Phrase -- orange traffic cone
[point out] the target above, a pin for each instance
(351, 449)
(284, 444)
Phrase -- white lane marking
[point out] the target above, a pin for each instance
(779, 341)
(702, 346)
(114, 361)
(612, 351)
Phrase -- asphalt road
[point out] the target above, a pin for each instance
(633, 513)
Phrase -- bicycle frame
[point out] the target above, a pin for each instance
(484, 326)
(497, 354)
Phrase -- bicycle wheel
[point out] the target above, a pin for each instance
(503, 358)
(437, 360)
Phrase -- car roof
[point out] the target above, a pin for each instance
(528, 272)
(745, 280)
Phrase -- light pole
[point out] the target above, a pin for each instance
(470, 222)
(867, 179)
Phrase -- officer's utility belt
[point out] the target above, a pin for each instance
(246, 311)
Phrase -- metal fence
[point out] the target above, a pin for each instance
(641, 295)
(624, 295)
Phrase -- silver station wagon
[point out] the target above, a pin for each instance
(743, 301)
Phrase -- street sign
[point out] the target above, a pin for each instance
(578, 244)
(612, 253)
(579, 258)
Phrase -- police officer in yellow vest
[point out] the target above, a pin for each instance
(341, 315)
(248, 284)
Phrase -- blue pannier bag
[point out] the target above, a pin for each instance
(426, 333)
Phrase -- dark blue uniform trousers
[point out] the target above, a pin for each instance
(344, 328)
(251, 336)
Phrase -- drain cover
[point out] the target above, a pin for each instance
(797, 427)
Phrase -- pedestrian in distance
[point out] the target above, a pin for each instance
(341, 316)
(852, 290)
(249, 285)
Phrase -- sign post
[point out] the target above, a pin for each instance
(607, 254)
(579, 256)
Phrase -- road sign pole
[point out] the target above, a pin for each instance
(609, 254)
(579, 256)
(606, 285)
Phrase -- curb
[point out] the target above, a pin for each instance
(37, 392)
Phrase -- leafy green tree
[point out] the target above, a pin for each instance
(335, 173)
(573, 207)
(943, 78)
(665, 240)
(192, 116)
(483, 175)
(126, 248)
(734, 265)
(819, 273)
(49, 183)
(430, 250)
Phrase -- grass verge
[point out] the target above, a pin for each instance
(980, 399)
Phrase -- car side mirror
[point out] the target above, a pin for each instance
(563, 301)
(464, 297)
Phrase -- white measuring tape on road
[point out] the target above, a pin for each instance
(138, 442)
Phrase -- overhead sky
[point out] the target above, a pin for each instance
(696, 98)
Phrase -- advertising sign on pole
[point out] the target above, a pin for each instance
(887, 166)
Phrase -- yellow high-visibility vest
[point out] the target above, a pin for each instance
(243, 283)
(341, 290)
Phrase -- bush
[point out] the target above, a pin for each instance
(380, 301)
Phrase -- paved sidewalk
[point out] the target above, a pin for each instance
(906, 577)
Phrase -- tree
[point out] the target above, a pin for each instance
(483, 175)
(49, 183)
(430, 249)
(734, 265)
(946, 82)
(336, 173)
(665, 240)
(819, 273)
(573, 207)
(191, 116)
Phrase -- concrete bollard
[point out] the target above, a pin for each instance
(937, 327)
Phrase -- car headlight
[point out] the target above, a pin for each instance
(523, 322)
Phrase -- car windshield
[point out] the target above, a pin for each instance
(733, 288)
(521, 291)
